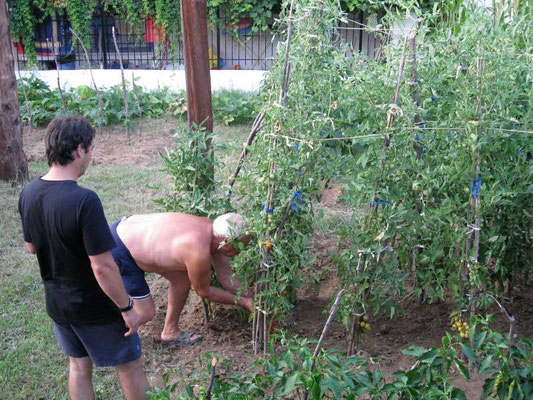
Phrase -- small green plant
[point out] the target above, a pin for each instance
(190, 164)
(286, 373)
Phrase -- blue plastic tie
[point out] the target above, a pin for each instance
(384, 202)
(30, 124)
(476, 187)
(295, 146)
(519, 150)
(418, 138)
(100, 125)
(434, 99)
(267, 210)
(296, 196)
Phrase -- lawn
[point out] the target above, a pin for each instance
(31, 364)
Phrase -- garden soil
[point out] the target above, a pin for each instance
(228, 333)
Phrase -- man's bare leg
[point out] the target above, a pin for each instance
(178, 291)
(145, 308)
(80, 378)
(133, 380)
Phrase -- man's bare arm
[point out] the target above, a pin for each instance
(226, 277)
(108, 277)
(199, 271)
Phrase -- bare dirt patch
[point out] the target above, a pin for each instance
(112, 145)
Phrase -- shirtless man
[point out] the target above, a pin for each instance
(182, 248)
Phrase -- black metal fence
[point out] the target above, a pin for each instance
(145, 47)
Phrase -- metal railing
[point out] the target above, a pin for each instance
(144, 47)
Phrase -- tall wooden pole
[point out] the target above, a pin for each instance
(194, 22)
(13, 164)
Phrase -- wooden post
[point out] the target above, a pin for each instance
(196, 54)
(13, 163)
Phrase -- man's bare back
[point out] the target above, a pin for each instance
(182, 248)
(165, 242)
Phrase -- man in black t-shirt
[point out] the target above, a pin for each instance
(65, 226)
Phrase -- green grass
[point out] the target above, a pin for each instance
(31, 364)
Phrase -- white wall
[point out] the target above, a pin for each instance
(243, 80)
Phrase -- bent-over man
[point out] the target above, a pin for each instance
(182, 248)
(65, 226)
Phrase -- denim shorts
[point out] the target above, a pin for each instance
(105, 343)
(132, 276)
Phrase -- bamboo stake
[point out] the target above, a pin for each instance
(388, 131)
(472, 237)
(417, 146)
(126, 106)
(139, 109)
(58, 78)
(100, 104)
(325, 332)
(416, 93)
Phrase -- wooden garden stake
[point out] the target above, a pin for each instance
(325, 331)
(58, 79)
(474, 230)
(388, 132)
(100, 104)
(212, 379)
(126, 107)
(139, 109)
(416, 93)
(417, 146)
(355, 318)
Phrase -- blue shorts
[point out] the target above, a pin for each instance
(105, 343)
(132, 275)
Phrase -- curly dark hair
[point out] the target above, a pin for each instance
(64, 135)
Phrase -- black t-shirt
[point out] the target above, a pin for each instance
(65, 223)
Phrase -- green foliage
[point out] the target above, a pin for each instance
(318, 68)
(229, 107)
(191, 166)
(287, 373)
(423, 205)
(232, 107)
(79, 14)
(260, 11)
(22, 23)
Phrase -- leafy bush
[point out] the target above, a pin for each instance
(229, 107)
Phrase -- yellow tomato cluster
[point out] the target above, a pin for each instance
(473, 273)
(364, 326)
(460, 326)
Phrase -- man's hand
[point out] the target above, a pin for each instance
(131, 319)
(247, 302)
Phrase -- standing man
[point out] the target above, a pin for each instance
(65, 226)
(182, 248)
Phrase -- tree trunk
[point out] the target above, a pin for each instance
(13, 164)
